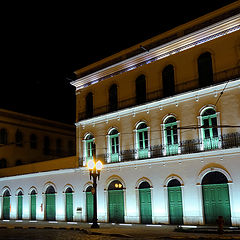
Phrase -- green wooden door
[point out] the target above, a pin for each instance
(116, 206)
(50, 207)
(6, 207)
(145, 205)
(171, 138)
(114, 147)
(89, 204)
(20, 206)
(175, 205)
(142, 143)
(216, 203)
(33, 207)
(69, 207)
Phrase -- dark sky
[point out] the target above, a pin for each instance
(42, 44)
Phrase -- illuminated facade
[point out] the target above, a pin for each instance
(164, 116)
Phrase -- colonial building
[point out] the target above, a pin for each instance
(164, 117)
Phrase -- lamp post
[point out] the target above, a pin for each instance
(94, 171)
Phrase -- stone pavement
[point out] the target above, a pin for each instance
(128, 231)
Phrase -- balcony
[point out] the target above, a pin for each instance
(188, 85)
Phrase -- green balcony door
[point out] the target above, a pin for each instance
(171, 136)
(6, 205)
(89, 204)
(116, 202)
(145, 203)
(175, 202)
(89, 147)
(142, 141)
(20, 205)
(216, 200)
(114, 145)
(50, 204)
(209, 130)
(69, 204)
(33, 205)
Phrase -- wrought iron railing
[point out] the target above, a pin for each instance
(187, 85)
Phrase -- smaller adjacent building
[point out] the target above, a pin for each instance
(26, 139)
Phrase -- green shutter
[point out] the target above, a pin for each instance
(145, 205)
(89, 204)
(69, 207)
(216, 203)
(89, 149)
(175, 205)
(33, 207)
(114, 147)
(171, 138)
(50, 207)
(116, 206)
(142, 143)
(20, 206)
(6, 207)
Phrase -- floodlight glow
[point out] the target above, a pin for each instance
(99, 165)
(91, 165)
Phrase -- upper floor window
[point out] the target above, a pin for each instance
(140, 89)
(89, 105)
(171, 136)
(168, 81)
(3, 163)
(3, 136)
(209, 129)
(19, 162)
(46, 145)
(19, 138)
(113, 98)
(89, 147)
(113, 142)
(33, 141)
(205, 70)
(71, 147)
(58, 146)
(142, 140)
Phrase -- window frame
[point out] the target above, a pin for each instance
(110, 137)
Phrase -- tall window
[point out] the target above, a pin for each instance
(209, 129)
(171, 136)
(113, 98)
(3, 163)
(19, 138)
(140, 89)
(33, 141)
(89, 105)
(46, 145)
(142, 140)
(58, 146)
(89, 147)
(205, 71)
(114, 145)
(168, 81)
(3, 136)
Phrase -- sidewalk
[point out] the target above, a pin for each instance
(124, 231)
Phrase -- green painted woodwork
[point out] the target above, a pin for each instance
(89, 149)
(210, 134)
(175, 205)
(145, 205)
(142, 143)
(20, 206)
(116, 206)
(33, 207)
(89, 204)
(171, 138)
(114, 147)
(216, 203)
(50, 207)
(69, 207)
(6, 207)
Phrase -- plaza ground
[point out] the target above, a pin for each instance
(19, 229)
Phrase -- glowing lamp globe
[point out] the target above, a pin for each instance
(91, 165)
(99, 165)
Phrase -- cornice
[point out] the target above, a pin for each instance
(191, 40)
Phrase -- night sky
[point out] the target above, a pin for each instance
(42, 44)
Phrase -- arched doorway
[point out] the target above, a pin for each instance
(50, 204)
(89, 204)
(175, 202)
(145, 202)
(6, 205)
(116, 202)
(216, 200)
(69, 204)
(20, 205)
(33, 204)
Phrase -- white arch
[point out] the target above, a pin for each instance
(6, 188)
(205, 107)
(168, 116)
(19, 190)
(46, 185)
(32, 188)
(143, 179)
(113, 178)
(171, 177)
(68, 186)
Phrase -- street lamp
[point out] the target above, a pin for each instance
(94, 171)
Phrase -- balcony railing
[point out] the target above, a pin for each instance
(226, 141)
(219, 77)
